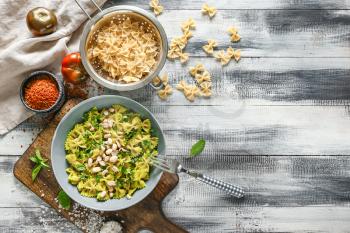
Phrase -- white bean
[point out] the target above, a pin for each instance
(111, 195)
(109, 151)
(113, 159)
(105, 113)
(96, 169)
(106, 158)
(98, 159)
(107, 135)
(90, 161)
(111, 183)
(92, 128)
(111, 110)
(114, 147)
(102, 163)
(115, 169)
(103, 194)
(104, 172)
(109, 141)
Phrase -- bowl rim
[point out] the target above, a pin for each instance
(80, 200)
(34, 75)
(113, 85)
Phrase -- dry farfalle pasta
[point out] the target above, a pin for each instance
(178, 44)
(205, 89)
(165, 92)
(190, 91)
(157, 81)
(123, 51)
(207, 10)
(157, 8)
(209, 48)
(225, 57)
(235, 37)
(203, 79)
(199, 68)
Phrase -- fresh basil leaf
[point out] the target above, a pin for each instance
(36, 171)
(44, 164)
(64, 200)
(197, 148)
(34, 159)
(38, 155)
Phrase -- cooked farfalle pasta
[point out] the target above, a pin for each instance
(109, 153)
(157, 8)
(209, 48)
(178, 44)
(235, 37)
(121, 49)
(165, 92)
(208, 10)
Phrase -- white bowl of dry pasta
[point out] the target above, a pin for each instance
(123, 48)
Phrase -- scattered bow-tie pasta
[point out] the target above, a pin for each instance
(190, 91)
(205, 89)
(207, 10)
(178, 44)
(157, 8)
(165, 92)
(225, 57)
(235, 37)
(123, 51)
(196, 69)
(209, 48)
(164, 79)
(203, 79)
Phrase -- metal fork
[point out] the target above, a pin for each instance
(173, 166)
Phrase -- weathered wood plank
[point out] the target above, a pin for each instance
(236, 126)
(270, 33)
(247, 4)
(279, 181)
(314, 219)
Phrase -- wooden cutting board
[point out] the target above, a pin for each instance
(147, 214)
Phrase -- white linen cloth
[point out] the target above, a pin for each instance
(21, 53)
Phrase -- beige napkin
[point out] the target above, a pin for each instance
(21, 53)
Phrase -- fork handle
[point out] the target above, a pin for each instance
(231, 189)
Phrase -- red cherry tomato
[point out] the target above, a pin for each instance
(72, 69)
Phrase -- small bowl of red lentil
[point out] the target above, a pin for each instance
(42, 92)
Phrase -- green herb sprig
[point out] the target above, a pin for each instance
(197, 148)
(39, 161)
(64, 200)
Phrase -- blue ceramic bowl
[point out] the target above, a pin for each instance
(58, 153)
(59, 84)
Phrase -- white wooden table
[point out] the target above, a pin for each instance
(278, 123)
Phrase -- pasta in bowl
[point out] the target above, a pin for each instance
(101, 150)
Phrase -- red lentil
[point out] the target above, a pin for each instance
(41, 93)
